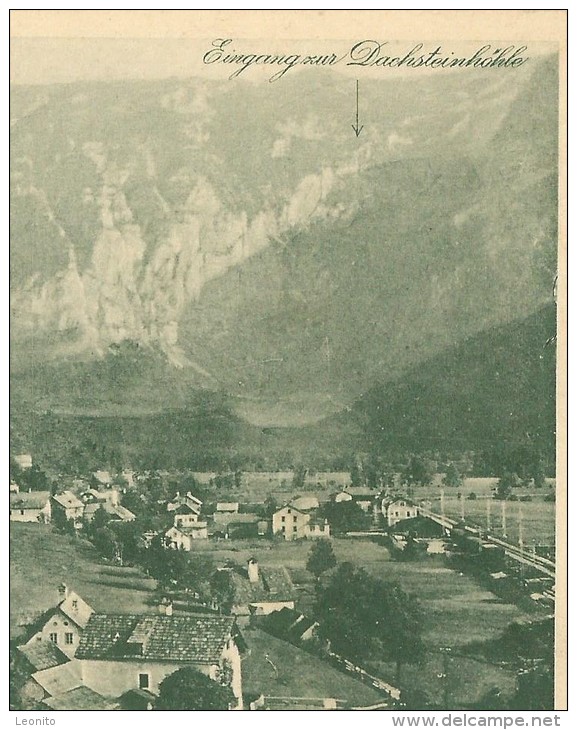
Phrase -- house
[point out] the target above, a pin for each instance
(109, 500)
(363, 496)
(102, 477)
(101, 496)
(291, 625)
(227, 507)
(185, 516)
(317, 528)
(79, 698)
(181, 538)
(32, 658)
(395, 510)
(117, 513)
(188, 499)
(24, 461)
(292, 523)
(62, 625)
(230, 524)
(261, 590)
(342, 496)
(123, 652)
(305, 504)
(66, 506)
(14, 488)
(262, 528)
(419, 526)
(30, 507)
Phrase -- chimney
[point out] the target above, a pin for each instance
(62, 592)
(165, 607)
(252, 568)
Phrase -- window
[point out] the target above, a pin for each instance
(295, 518)
(75, 605)
(21, 511)
(54, 638)
(143, 681)
(283, 519)
(69, 638)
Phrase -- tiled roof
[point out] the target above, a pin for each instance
(68, 500)
(186, 529)
(362, 492)
(43, 655)
(274, 585)
(29, 500)
(122, 512)
(79, 698)
(191, 638)
(227, 506)
(305, 503)
(61, 678)
(226, 518)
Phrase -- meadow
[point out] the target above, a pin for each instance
(41, 559)
(456, 610)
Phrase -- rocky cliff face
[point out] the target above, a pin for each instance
(245, 233)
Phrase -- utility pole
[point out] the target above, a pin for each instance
(488, 514)
(444, 676)
(462, 507)
(504, 517)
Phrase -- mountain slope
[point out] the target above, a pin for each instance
(246, 235)
(494, 391)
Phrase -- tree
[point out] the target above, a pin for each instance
(356, 474)
(344, 516)
(452, 478)
(104, 540)
(365, 618)
(321, 558)
(299, 476)
(506, 484)
(223, 591)
(418, 472)
(188, 689)
(270, 506)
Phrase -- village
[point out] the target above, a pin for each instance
(251, 580)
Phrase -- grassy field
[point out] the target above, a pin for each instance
(456, 609)
(298, 674)
(41, 559)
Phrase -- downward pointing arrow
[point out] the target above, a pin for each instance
(355, 126)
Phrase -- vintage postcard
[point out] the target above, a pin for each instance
(287, 362)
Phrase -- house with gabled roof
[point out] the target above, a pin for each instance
(187, 499)
(182, 538)
(395, 509)
(185, 515)
(65, 507)
(123, 652)
(292, 523)
(227, 507)
(30, 507)
(63, 624)
(260, 590)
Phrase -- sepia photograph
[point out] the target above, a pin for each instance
(287, 330)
